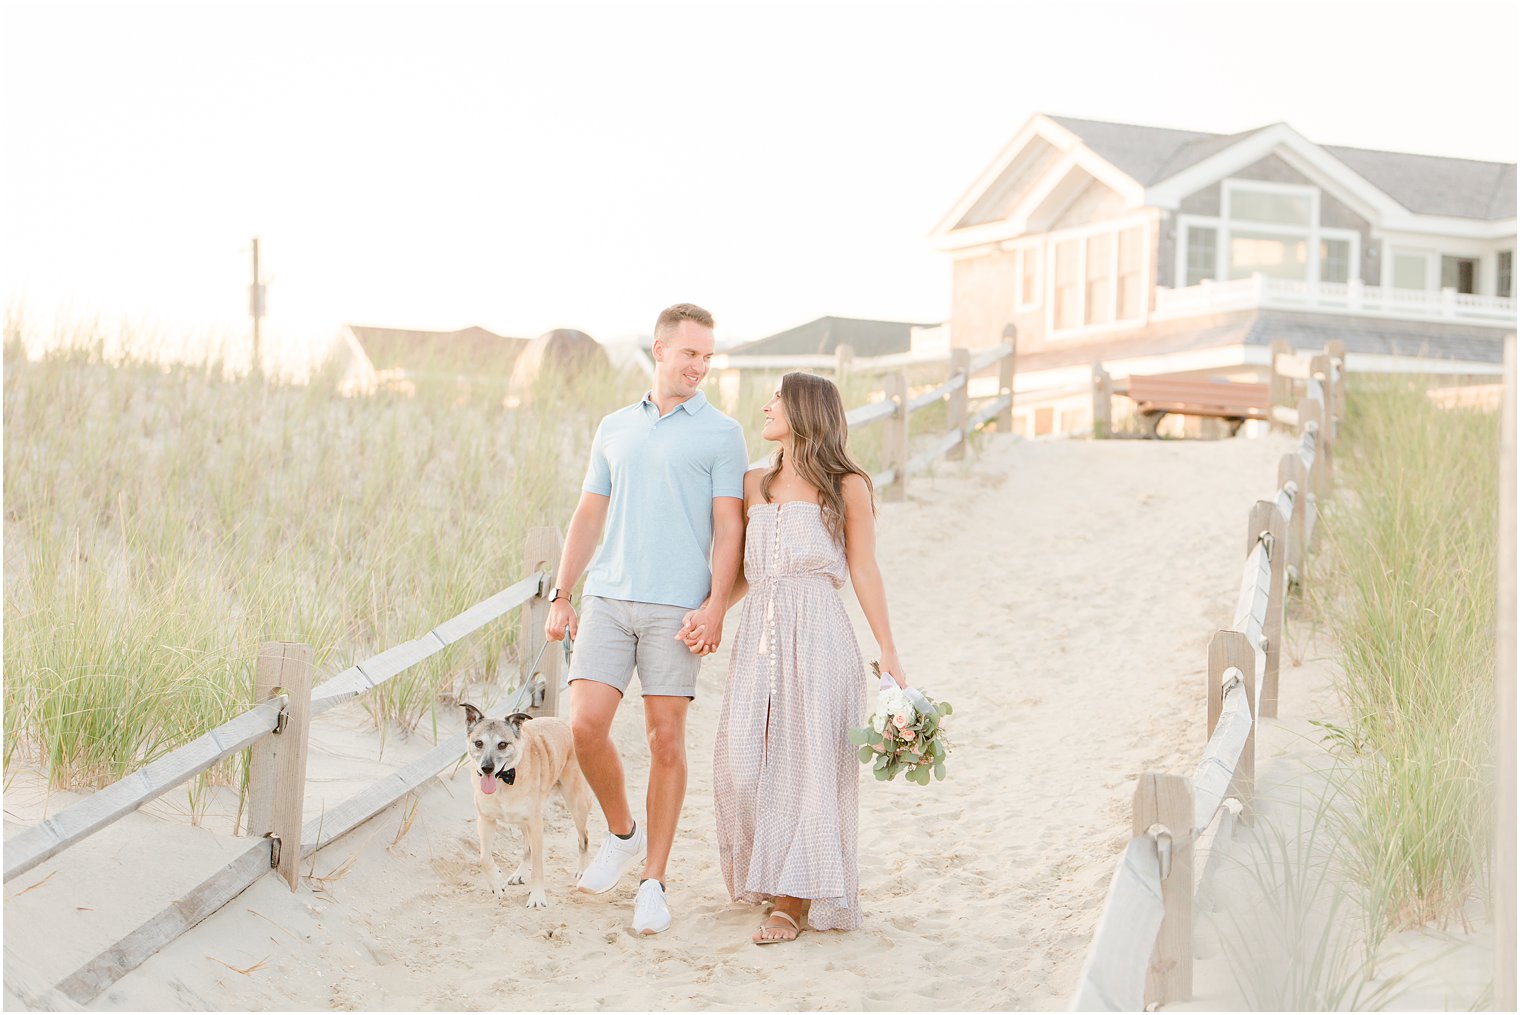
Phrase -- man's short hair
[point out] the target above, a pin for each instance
(671, 317)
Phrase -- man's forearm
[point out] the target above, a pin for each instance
(580, 545)
(727, 548)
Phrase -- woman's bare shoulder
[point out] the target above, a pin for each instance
(856, 491)
(752, 486)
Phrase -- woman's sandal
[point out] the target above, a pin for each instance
(797, 927)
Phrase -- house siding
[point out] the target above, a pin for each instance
(1096, 203)
(1165, 253)
(982, 303)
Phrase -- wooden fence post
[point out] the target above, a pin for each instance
(1319, 367)
(1167, 800)
(1291, 467)
(1005, 379)
(1336, 350)
(895, 443)
(844, 357)
(1226, 649)
(1265, 518)
(1103, 403)
(1311, 411)
(541, 550)
(277, 763)
(960, 366)
(1279, 385)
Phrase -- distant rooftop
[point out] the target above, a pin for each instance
(403, 348)
(826, 334)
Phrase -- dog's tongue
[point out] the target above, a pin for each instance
(488, 784)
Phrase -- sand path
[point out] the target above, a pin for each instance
(1059, 593)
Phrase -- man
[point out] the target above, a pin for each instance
(666, 484)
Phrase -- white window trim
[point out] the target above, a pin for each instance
(1228, 188)
(1354, 268)
(1183, 223)
(1221, 224)
(1080, 235)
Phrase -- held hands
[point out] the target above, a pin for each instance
(702, 630)
(561, 615)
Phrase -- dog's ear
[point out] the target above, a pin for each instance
(472, 715)
(518, 718)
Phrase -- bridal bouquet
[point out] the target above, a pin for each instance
(906, 734)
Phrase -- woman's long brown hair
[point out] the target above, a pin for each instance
(819, 453)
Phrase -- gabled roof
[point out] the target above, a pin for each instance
(1432, 185)
(826, 334)
(1147, 154)
(1160, 166)
(1423, 184)
(472, 348)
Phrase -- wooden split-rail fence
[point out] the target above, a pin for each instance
(898, 403)
(1142, 948)
(276, 728)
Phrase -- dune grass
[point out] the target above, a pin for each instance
(160, 522)
(1409, 588)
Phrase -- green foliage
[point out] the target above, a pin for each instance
(1409, 587)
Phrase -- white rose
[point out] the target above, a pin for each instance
(898, 704)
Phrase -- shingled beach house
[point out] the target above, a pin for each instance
(1156, 250)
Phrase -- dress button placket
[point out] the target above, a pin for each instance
(771, 612)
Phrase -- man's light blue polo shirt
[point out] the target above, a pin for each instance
(662, 473)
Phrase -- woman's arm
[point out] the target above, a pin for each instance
(865, 575)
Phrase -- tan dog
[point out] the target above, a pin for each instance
(516, 763)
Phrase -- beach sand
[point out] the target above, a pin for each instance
(1060, 593)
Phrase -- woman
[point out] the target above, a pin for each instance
(784, 772)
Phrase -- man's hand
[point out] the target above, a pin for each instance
(561, 615)
(702, 630)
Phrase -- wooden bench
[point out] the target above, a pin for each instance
(1155, 395)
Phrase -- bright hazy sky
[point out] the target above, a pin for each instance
(529, 166)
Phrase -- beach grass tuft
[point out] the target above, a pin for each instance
(1409, 589)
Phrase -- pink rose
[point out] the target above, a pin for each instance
(900, 721)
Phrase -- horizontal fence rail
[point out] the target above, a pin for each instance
(897, 406)
(1141, 953)
(272, 792)
(52, 835)
(376, 670)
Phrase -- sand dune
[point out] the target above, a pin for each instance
(1059, 593)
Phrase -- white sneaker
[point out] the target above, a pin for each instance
(615, 856)
(650, 914)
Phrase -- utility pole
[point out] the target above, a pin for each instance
(256, 308)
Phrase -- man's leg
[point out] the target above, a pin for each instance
(665, 726)
(592, 706)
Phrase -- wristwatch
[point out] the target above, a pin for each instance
(556, 592)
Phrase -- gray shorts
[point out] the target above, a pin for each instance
(617, 636)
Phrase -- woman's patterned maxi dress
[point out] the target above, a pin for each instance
(785, 775)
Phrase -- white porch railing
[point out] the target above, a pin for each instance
(1263, 291)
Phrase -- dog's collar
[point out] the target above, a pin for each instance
(509, 776)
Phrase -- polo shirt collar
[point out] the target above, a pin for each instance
(693, 405)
